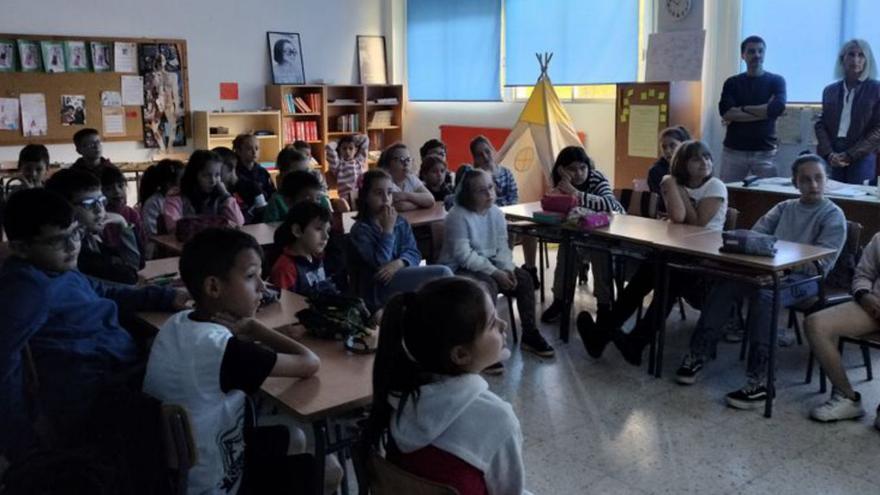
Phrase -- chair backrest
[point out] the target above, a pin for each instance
(731, 218)
(639, 203)
(180, 448)
(388, 479)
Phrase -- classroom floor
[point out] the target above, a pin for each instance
(605, 427)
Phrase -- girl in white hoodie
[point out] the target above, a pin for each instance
(432, 412)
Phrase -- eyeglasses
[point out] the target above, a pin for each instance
(94, 204)
(403, 159)
(61, 241)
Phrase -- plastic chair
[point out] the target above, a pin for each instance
(388, 479)
(180, 450)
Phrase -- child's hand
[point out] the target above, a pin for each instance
(871, 304)
(387, 218)
(503, 279)
(386, 272)
(116, 218)
(181, 299)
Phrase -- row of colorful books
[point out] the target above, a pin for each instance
(348, 123)
(310, 103)
(304, 131)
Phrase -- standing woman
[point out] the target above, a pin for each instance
(848, 131)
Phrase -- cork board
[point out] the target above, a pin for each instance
(89, 84)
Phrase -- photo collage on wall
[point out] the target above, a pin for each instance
(164, 108)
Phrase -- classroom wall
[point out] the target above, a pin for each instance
(213, 30)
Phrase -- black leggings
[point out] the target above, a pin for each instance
(267, 467)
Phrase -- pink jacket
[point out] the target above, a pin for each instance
(177, 207)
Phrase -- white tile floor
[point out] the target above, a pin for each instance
(605, 427)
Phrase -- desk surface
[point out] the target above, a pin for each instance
(264, 233)
(416, 218)
(162, 266)
(778, 185)
(343, 382)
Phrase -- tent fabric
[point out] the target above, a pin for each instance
(542, 130)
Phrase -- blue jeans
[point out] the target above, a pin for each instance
(736, 164)
(858, 172)
(721, 303)
(409, 279)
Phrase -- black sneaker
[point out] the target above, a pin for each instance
(595, 338)
(533, 271)
(751, 396)
(690, 369)
(553, 312)
(630, 347)
(534, 342)
(495, 369)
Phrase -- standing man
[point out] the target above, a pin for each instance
(750, 103)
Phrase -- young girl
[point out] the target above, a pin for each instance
(409, 192)
(476, 246)
(347, 162)
(429, 401)
(115, 189)
(254, 183)
(692, 197)
(201, 193)
(670, 138)
(575, 174)
(436, 177)
(158, 182)
(385, 245)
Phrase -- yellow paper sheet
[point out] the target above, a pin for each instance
(623, 117)
(629, 92)
(663, 107)
(662, 118)
(643, 96)
(644, 121)
(626, 102)
(651, 93)
(661, 95)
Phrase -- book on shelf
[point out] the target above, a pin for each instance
(314, 101)
(343, 101)
(348, 123)
(386, 101)
(381, 118)
(289, 104)
(301, 105)
(300, 130)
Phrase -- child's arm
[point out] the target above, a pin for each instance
(409, 250)
(147, 298)
(421, 197)
(294, 359)
(374, 250)
(461, 249)
(172, 212)
(676, 206)
(232, 212)
(600, 196)
(332, 158)
(769, 221)
(832, 235)
(503, 258)
(362, 141)
(868, 269)
(510, 193)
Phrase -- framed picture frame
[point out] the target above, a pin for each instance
(102, 56)
(76, 56)
(29, 57)
(285, 58)
(7, 56)
(53, 56)
(371, 60)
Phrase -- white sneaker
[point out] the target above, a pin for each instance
(837, 408)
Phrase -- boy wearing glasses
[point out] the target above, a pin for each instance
(88, 145)
(118, 262)
(69, 323)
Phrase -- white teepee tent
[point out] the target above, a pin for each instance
(542, 130)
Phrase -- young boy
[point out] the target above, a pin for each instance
(289, 160)
(207, 361)
(304, 148)
(33, 161)
(302, 239)
(115, 188)
(69, 322)
(97, 258)
(88, 145)
(810, 219)
(347, 162)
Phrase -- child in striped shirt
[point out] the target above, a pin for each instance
(347, 162)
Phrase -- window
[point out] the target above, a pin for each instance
(591, 42)
(571, 93)
(803, 49)
(454, 50)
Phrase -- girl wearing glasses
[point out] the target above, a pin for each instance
(409, 192)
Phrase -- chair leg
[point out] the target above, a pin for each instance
(512, 319)
(546, 254)
(797, 327)
(681, 308)
(742, 323)
(809, 377)
(866, 356)
(542, 254)
(822, 386)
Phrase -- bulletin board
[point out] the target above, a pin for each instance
(89, 84)
(642, 110)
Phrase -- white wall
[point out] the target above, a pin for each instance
(226, 42)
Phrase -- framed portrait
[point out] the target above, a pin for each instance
(285, 57)
(7, 55)
(76, 56)
(29, 56)
(53, 56)
(101, 56)
(371, 59)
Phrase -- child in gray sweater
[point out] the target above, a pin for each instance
(809, 219)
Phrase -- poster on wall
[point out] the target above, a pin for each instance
(73, 110)
(163, 111)
(76, 55)
(8, 114)
(7, 56)
(33, 114)
(285, 52)
(101, 56)
(29, 55)
(53, 56)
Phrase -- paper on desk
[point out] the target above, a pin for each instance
(643, 123)
(133, 90)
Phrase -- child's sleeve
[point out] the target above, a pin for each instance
(506, 473)
(409, 250)
(363, 148)
(769, 221)
(283, 275)
(832, 235)
(600, 196)
(462, 252)
(332, 158)
(510, 194)
(868, 269)
(374, 251)
(232, 212)
(245, 366)
(503, 255)
(172, 212)
(132, 299)
(23, 311)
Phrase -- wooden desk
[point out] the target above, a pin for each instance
(415, 218)
(754, 201)
(264, 233)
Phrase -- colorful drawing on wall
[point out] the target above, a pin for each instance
(73, 110)
(29, 56)
(76, 55)
(9, 114)
(7, 56)
(163, 96)
(101, 56)
(53, 56)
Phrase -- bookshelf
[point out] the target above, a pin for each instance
(239, 123)
(343, 110)
(302, 115)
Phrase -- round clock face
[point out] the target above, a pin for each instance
(678, 9)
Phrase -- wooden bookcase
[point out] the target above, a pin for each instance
(239, 123)
(339, 101)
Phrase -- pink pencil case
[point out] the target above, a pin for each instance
(595, 221)
(561, 203)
